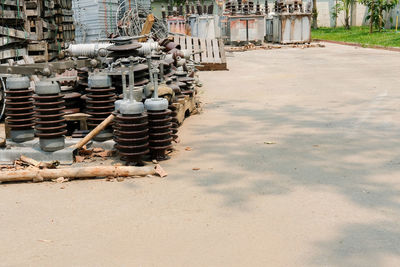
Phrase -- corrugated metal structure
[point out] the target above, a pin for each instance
(94, 19)
(204, 26)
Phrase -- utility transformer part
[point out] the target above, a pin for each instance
(204, 26)
(177, 25)
(131, 132)
(100, 100)
(19, 109)
(160, 134)
(50, 125)
(174, 121)
(72, 99)
(291, 23)
(242, 22)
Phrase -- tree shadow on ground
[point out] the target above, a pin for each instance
(313, 148)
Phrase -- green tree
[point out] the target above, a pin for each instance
(314, 15)
(376, 8)
(345, 6)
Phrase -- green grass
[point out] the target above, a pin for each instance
(360, 35)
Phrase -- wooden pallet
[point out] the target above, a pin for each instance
(212, 56)
(12, 53)
(43, 29)
(42, 51)
(12, 11)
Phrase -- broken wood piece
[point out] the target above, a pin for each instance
(38, 175)
(147, 27)
(39, 164)
(29, 161)
(94, 132)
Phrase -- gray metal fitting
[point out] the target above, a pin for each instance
(13, 83)
(99, 81)
(47, 88)
(156, 104)
(131, 107)
(53, 144)
(19, 136)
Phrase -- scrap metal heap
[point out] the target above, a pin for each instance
(145, 86)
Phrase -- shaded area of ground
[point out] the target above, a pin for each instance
(298, 152)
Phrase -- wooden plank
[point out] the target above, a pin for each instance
(189, 45)
(210, 55)
(12, 3)
(17, 34)
(42, 46)
(8, 40)
(182, 42)
(196, 49)
(176, 39)
(12, 14)
(11, 53)
(222, 50)
(217, 58)
(212, 66)
(203, 47)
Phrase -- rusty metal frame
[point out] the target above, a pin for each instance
(44, 69)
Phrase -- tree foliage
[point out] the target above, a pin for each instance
(343, 6)
(376, 8)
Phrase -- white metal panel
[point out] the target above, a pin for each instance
(286, 30)
(296, 29)
(306, 29)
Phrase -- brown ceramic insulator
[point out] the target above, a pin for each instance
(160, 133)
(99, 104)
(131, 135)
(19, 109)
(49, 116)
(174, 121)
(72, 99)
(82, 82)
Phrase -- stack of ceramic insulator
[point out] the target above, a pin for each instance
(174, 121)
(169, 69)
(160, 136)
(20, 110)
(72, 99)
(131, 134)
(82, 83)
(185, 83)
(100, 100)
(175, 85)
(50, 125)
(141, 75)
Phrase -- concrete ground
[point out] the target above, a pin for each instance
(298, 153)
